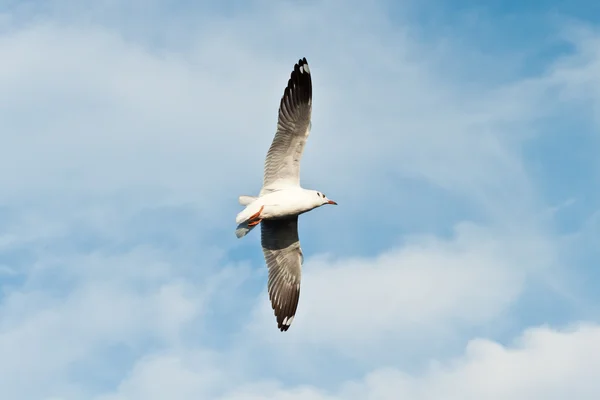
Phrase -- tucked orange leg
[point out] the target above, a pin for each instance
(255, 218)
(254, 223)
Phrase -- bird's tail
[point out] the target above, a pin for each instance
(242, 218)
(243, 229)
(245, 200)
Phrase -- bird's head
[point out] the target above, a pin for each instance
(323, 199)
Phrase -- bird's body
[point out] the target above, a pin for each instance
(282, 199)
(281, 204)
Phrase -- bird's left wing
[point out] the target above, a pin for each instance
(281, 248)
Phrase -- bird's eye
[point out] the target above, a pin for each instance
(324, 195)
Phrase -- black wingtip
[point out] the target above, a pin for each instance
(285, 315)
(281, 325)
(302, 62)
(301, 67)
(299, 86)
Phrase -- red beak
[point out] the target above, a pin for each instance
(332, 202)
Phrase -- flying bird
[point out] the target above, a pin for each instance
(281, 199)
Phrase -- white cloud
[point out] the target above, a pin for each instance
(542, 363)
(105, 124)
(181, 376)
(112, 111)
(134, 302)
(418, 294)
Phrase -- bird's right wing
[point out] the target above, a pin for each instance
(282, 165)
(281, 248)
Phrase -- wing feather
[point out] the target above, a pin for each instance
(282, 164)
(281, 248)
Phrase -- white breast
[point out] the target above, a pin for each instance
(286, 202)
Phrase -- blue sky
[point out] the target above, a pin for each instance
(459, 139)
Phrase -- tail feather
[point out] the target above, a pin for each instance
(242, 218)
(245, 200)
(243, 229)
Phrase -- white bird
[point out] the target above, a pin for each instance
(282, 199)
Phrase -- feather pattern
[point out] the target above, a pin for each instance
(281, 248)
(282, 164)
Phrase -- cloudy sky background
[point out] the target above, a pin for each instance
(460, 141)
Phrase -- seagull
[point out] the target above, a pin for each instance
(281, 199)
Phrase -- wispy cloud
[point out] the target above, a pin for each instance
(129, 130)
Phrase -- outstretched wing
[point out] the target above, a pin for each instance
(281, 247)
(282, 165)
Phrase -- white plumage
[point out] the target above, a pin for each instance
(281, 199)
